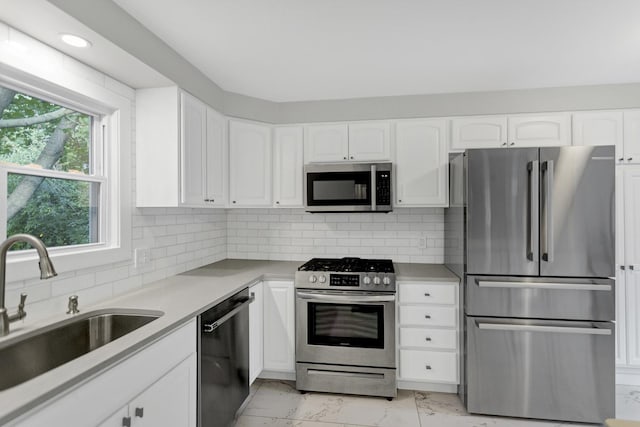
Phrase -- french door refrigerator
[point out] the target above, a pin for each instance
(531, 231)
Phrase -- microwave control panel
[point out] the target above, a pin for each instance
(383, 188)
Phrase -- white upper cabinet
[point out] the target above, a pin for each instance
(217, 159)
(249, 164)
(597, 128)
(539, 130)
(522, 130)
(369, 141)
(366, 141)
(630, 152)
(326, 143)
(421, 163)
(180, 150)
(478, 132)
(288, 166)
(193, 139)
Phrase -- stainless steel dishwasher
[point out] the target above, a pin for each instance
(223, 363)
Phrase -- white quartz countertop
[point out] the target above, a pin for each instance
(180, 298)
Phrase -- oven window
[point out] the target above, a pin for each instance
(339, 188)
(346, 325)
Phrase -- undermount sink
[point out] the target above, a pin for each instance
(35, 353)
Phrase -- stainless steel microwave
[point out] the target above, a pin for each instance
(347, 187)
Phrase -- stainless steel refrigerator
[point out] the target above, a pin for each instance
(531, 232)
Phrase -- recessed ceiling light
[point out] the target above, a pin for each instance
(75, 41)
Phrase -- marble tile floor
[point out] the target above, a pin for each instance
(278, 404)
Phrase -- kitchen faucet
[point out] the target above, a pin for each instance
(46, 272)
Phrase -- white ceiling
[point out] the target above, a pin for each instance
(293, 50)
(45, 22)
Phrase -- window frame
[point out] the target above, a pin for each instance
(112, 114)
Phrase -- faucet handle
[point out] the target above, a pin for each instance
(73, 305)
(23, 298)
(20, 314)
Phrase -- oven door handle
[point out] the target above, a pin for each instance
(346, 298)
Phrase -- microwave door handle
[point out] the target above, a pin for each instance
(373, 190)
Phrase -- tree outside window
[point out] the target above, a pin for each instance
(47, 154)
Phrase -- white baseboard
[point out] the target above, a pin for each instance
(628, 376)
(435, 387)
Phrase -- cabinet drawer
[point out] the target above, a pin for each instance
(428, 338)
(428, 315)
(421, 365)
(431, 293)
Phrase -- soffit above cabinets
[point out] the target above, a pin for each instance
(45, 22)
(292, 50)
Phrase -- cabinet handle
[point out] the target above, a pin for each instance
(504, 144)
(126, 422)
(352, 158)
(400, 201)
(234, 201)
(629, 159)
(427, 294)
(428, 339)
(621, 159)
(206, 200)
(277, 203)
(139, 412)
(622, 267)
(345, 158)
(631, 267)
(212, 200)
(427, 316)
(428, 367)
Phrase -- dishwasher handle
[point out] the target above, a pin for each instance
(208, 328)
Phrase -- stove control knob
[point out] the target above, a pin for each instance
(313, 278)
(322, 279)
(376, 280)
(366, 280)
(386, 281)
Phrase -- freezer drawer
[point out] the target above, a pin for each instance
(557, 370)
(540, 297)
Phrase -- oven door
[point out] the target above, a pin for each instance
(345, 328)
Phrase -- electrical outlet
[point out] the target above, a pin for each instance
(142, 257)
(422, 242)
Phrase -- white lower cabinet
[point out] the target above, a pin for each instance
(155, 387)
(279, 327)
(428, 347)
(256, 331)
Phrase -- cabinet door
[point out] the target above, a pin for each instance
(287, 166)
(370, 141)
(249, 164)
(631, 151)
(256, 332)
(632, 319)
(170, 401)
(117, 419)
(193, 134)
(478, 132)
(598, 128)
(539, 130)
(421, 163)
(326, 143)
(621, 318)
(632, 216)
(216, 159)
(279, 327)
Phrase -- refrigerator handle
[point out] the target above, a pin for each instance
(547, 170)
(532, 210)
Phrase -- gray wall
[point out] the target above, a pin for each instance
(113, 23)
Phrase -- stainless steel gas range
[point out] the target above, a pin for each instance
(345, 326)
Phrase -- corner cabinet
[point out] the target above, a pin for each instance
(288, 166)
(154, 387)
(180, 150)
(279, 330)
(421, 163)
(256, 332)
(249, 164)
(338, 142)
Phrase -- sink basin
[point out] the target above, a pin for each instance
(37, 352)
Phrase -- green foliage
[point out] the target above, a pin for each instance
(59, 212)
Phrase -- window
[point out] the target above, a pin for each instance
(51, 171)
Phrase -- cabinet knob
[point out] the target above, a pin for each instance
(428, 338)
(277, 203)
(504, 144)
(139, 412)
(234, 201)
(351, 157)
(621, 159)
(631, 267)
(126, 422)
(622, 267)
(427, 294)
(428, 367)
(629, 159)
(345, 157)
(427, 316)
(512, 144)
(399, 200)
